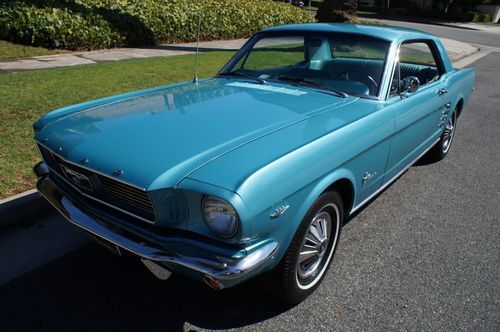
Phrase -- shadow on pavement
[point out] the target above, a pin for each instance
(420, 20)
(92, 289)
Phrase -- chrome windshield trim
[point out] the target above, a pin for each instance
(224, 269)
(231, 63)
(87, 168)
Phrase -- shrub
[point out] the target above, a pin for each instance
(56, 28)
(474, 16)
(337, 11)
(92, 24)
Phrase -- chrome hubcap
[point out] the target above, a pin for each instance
(314, 245)
(449, 130)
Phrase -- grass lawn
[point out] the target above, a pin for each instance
(25, 96)
(10, 50)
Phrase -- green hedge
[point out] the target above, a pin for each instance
(56, 28)
(474, 16)
(93, 24)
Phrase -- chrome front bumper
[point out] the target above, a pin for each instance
(225, 271)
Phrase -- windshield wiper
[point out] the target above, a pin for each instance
(235, 73)
(305, 81)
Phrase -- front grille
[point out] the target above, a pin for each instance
(102, 188)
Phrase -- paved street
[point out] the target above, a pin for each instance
(488, 38)
(425, 255)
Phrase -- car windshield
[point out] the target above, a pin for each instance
(335, 62)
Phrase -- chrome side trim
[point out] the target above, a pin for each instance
(393, 178)
(87, 168)
(102, 202)
(226, 270)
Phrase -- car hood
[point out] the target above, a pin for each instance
(156, 137)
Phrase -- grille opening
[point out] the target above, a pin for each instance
(105, 189)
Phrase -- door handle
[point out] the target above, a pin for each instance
(442, 91)
(368, 176)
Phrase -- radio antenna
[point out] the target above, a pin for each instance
(195, 79)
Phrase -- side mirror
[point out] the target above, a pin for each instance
(411, 84)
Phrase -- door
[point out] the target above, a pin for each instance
(418, 115)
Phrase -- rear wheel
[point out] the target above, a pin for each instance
(441, 149)
(310, 253)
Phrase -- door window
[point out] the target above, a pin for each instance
(416, 59)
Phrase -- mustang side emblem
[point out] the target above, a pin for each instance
(279, 211)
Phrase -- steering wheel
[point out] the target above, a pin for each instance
(360, 77)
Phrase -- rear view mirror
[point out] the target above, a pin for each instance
(411, 84)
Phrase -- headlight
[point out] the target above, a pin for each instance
(220, 216)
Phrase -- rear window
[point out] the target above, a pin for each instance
(342, 47)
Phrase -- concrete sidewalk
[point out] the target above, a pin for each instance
(474, 26)
(456, 50)
(115, 54)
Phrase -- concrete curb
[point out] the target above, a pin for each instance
(21, 208)
(458, 57)
(25, 206)
(465, 61)
(458, 50)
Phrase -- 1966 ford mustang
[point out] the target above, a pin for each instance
(253, 171)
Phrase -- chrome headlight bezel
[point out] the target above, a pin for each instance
(209, 209)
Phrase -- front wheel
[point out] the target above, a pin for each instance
(310, 253)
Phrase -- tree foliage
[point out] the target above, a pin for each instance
(337, 11)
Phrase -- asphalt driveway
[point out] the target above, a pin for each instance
(425, 255)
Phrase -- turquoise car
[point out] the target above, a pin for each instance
(252, 172)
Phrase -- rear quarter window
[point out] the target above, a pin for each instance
(417, 53)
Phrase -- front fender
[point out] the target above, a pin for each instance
(302, 201)
(322, 185)
(283, 229)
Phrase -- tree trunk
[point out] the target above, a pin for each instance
(385, 6)
(447, 6)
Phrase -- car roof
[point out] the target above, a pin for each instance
(389, 33)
